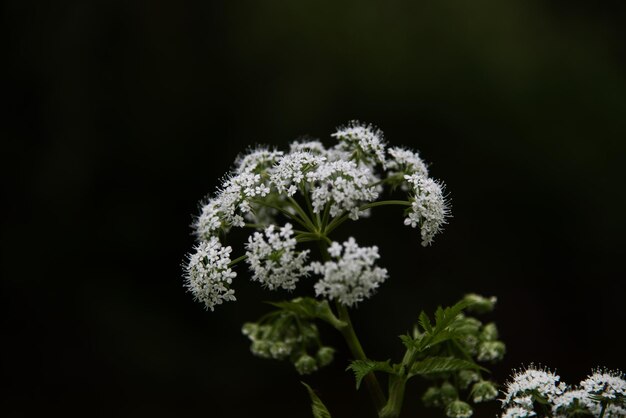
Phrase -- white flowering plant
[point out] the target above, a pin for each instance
(538, 392)
(293, 202)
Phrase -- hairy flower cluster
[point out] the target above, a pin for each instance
(318, 188)
(291, 170)
(208, 275)
(405, 162)
(365, 142)
(273, 258)
(530, 383)
(352, 277)
(428, 207)
(601, 390)
(341, 185)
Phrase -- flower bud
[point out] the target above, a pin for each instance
(491, 351)
(448, 393)
(432, 397)
(467, 377)
(489, 332)
(305, 364)
(483, 391)
(325, 355)
(249, 329)
(261, 348)
(459, 409)
(480, 304)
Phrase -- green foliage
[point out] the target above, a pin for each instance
(437, 365)
(362, 368)
(317, 406)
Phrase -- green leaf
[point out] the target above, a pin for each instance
(310, 308)
(407, 341)
(444, 317)
(434, 365)
(317, 406)
(425, 322)
(362, 368)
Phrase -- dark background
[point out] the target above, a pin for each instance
(122, 115)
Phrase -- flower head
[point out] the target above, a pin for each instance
(341, 185)
(352, 276)
(532, 382)
(405, 162)
(207, 274)
(428, 207)
(257, 161)
(291, 171)
(459, 409)
(363, 142)
(273, 258)
(605, 384)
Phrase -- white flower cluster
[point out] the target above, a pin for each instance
(601, 387)
(364, 141)
(273, 258)
(531, 382)
(352, 277)
(208, 275)
(428, 207)
(343, 186)
(405, 162)
(331, 184)
(605, 384)
(292, 170)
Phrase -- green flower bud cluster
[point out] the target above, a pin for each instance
(446, 396)
(282, 335)
(470, 339)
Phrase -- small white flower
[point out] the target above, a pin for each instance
(236, 194)
(273, 258)
(209, 222)
(363, 142)
(532, 381)
(313, 146)
(428, 207)
(567, 399)
(257, 161)
(407, 162)
(517, 412)
(292, 169)
(352, 277)
(605, 384)
(207, 274)
(343, 186)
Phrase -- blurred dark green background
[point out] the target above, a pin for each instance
(121, 115)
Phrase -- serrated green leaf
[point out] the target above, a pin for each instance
(362, 368)
(444, 317)
(434, 365)
(424, 321)
(407, 341)
(317, 406)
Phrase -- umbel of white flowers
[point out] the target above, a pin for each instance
(303, 195)
(537, 392)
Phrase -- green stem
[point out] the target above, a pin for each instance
(397, 386)
(237, 260)
(309, 224)
(604, 403)
(385, 203)
(283, 211)
(349, 335)
(356, 349)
